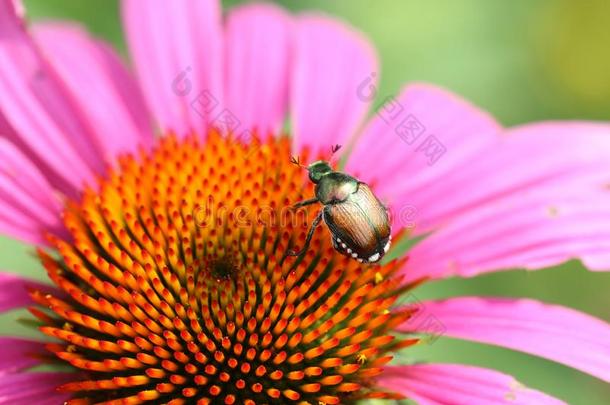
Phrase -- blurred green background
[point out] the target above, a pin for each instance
(522, 60)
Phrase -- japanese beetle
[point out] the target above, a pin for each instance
(357, 220)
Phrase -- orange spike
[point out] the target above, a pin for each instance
(175, 278)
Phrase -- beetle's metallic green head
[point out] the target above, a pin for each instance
(317, 170)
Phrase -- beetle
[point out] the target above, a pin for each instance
(357, 220)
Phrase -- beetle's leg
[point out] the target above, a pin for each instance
(314, 225)
(305, 202)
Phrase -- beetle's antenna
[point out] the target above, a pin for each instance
(333, 150)
(297, 161)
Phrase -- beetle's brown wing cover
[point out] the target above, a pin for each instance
(361, 222)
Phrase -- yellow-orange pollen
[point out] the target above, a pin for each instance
(178, 290)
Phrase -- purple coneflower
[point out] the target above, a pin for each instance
(167, 253)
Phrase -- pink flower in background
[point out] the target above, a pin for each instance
(136, 304)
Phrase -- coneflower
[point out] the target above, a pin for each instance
(167, 300)
(168, 254)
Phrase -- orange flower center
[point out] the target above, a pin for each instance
(178, 288)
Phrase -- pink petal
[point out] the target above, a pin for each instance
(28, 204)
(537, 198)
(177, 51)
(40, 110)
(19, 354)
(258, 44)
(34, 388)
(332, 61)
(108, 96)
(528, 230)
(391, 152)
(456, 384)
(54, 180)
(557, 333)
(525, 159)
(14, 291)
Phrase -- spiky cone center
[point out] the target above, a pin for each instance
(178, 291)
